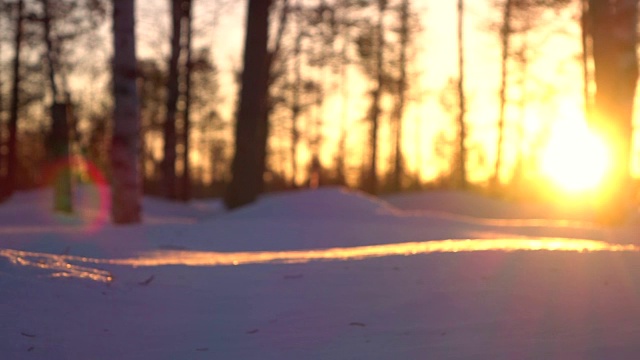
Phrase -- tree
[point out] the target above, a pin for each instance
(185, 193)
(505, 37)
(58, 144)
(173, 92)
(2, 160)
(12, 151)
(126, 187)
(462, 127)
(404, 34)
(586, 53)
(245, 168)
(375, 111)
(296, 106)
(614, 38)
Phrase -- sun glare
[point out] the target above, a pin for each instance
(575, 158)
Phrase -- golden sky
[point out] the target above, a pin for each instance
(553, 90)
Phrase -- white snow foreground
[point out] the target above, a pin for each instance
(325, 274)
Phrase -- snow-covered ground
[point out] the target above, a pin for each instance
(324, 274)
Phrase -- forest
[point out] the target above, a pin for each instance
(187, 99)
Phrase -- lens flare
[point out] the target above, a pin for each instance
(90, 196)
(575, 158)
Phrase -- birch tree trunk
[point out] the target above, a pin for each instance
(126, 185)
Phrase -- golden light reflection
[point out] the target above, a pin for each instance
(575, 158)
(65, 265)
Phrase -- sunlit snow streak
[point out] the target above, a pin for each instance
(64, 265)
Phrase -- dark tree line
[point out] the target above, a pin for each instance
(295, 54)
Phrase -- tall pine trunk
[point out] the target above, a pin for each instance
(462, 127)
(376, 98)
(505, 34)
(585, 35)
(170, 137)
(126, 186)
(251, 122)
(398, 160)
(614, 35)
(297, 105)
(185, 194)
(2, 159)
(58, 144)
(12, 151)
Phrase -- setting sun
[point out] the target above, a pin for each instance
(575, 158)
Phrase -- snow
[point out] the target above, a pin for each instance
(319, 274)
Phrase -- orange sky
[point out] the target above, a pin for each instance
(555, 68)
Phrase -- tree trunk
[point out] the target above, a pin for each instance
(186, 175)
(12, 158)
(296, 107)
(59, 150)
(126, 187)
(2, 158)
(245, 168)
(398, 161)
(376, 109)
(462, 127)
(505, 35)
(59, 141)
(169, 160)
(341, 155)
(614, 26)
(46, 22)
(586, 53)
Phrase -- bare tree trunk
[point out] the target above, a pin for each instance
(264, 84)
(46, 22)
(2, 158)
(584, 37)
(59, 152)
(12, 160)
(245, 168)
(186, 175)
(375, 101)
(344, 112)
(462, 127)
(169, 160)
(58, 144)
(505, 35)
(614, 27)
(296, 108)
(126, 187)
(398, 161)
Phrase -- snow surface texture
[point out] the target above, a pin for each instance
(324, 274)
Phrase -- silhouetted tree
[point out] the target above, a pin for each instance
(12, 148)
(614, 36)
(185, 185)
(126, 186)
(462, 127)
(505, 37)
(372, 46)
(173, 92)
(58, 144)
(2, 154)
(246, 167)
